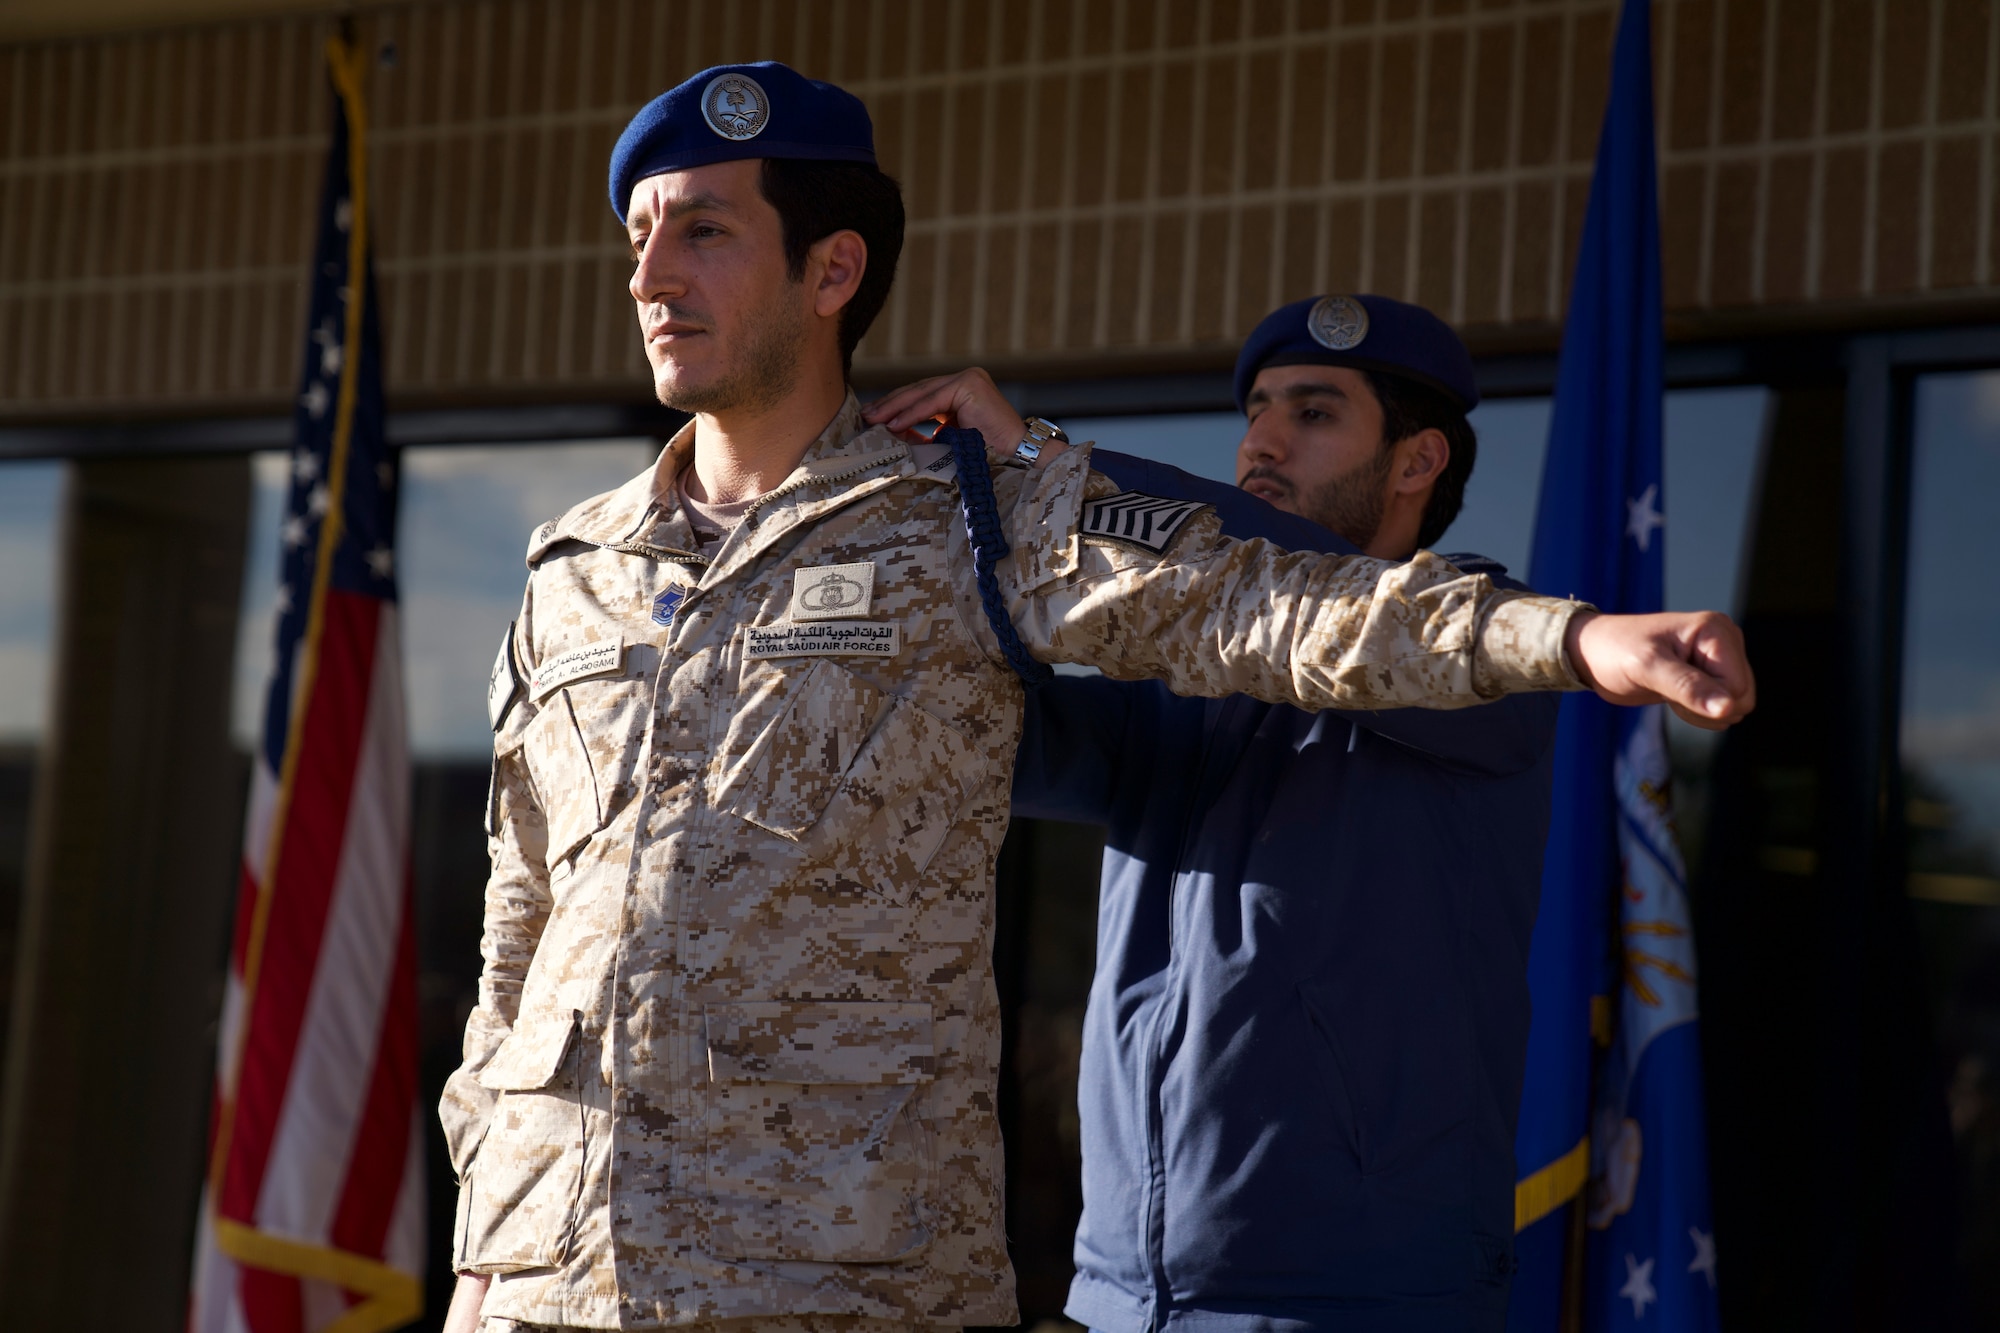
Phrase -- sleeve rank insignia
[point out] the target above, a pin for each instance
(1142, 522)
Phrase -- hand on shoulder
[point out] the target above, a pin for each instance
(969, 400)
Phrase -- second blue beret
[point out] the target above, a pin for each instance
(1366, 332)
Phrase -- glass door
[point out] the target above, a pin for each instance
(1951, 779)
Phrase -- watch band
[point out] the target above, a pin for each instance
(1040, 432)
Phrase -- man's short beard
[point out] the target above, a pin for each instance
(1352, 503)
(763, 373)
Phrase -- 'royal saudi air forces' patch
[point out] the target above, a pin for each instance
(1143, 522)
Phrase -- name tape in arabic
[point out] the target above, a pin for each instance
(597, 659)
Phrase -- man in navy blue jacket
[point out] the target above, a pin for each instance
(1303, 1052)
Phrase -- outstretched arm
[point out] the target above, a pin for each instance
(1428, 644)
(1502, 737)
(1211, 616)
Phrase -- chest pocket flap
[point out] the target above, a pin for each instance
(592, 702)
(794, 768)
(565, 781)
(900, 798)
(866, 780)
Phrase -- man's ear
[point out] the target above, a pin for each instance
(1420, 461)
(835, 265)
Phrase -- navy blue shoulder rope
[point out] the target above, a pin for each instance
(989, 547)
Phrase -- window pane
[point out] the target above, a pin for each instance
(461, 537)
(30, 502)
(1951, 769)
(1714, 444)
(1203, 443)
(1498, 517)
(1951, 694)
(1715, 452)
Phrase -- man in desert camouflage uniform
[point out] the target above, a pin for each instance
(734, 1059)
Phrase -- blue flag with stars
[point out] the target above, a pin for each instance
(1611, 1113)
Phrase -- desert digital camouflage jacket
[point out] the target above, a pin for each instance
(737, 1038)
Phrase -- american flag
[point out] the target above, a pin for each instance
(313, 1217)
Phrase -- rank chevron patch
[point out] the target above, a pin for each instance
(1143, 522)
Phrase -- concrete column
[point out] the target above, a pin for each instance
(124, 925)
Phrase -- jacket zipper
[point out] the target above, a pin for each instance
(1169, 1001)
(651, 552)
(800, 483)
(705, 811)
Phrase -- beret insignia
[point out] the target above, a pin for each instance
(1372, 333)
(1337, 323)
(726, 114)
(736, 106)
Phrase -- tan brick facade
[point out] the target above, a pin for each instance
(1094, 185)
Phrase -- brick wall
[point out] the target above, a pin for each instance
(1094, 185)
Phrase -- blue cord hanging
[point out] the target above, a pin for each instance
(989, 547)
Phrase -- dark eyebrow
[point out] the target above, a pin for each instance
(698, 203)
(706, 201)
(1297, 392)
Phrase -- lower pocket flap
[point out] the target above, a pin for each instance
(853, 1042)
(531, 1056)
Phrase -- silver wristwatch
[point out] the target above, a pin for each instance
(1040, 432)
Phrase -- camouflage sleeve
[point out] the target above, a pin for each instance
(1138, 588)
(518, 903)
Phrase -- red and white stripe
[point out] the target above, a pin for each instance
(318, 1122)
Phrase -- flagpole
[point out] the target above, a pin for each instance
(1613, 1080)
(390, 1296)
(346, 77)
(1574, 1250)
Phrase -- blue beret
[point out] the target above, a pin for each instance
(737, 111)
(1366, 332)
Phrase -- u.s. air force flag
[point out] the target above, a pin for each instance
(1612, 1111)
